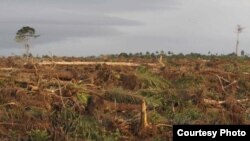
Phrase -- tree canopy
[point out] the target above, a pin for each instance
(23, 35)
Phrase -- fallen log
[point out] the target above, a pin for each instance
(96, 63)
(8, 69)
(215, 102)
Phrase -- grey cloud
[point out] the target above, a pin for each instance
(55, 32)
(60, 32)
(57, 20)
(32, 8)
(84, 20)
(54, 22)
(94, 5)
(86, 27)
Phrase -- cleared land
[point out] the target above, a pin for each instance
(120, 99)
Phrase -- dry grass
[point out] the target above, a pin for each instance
(80, 100)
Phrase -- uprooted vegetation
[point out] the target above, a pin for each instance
(119, 102)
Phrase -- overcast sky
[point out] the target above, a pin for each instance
(94, 27)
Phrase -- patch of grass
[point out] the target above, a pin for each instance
(88, 128)
(244, 88)
(113, 136)
(38, 135)
(187, 116)
(2, 83)
(83, 98)
(8, 81)
(213, 95)
(171, 99)
(155, 117)
(158, 138)
(212, 117)
(14, 135)
(188, 80)
(13, 114)
(244, 84)
(35, 112)
(245, 68)
(230, 68)
(77, 126)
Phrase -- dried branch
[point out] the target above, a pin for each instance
(235, 81)
(37, 75)
(224, 79)
(60, 91)
(10, 103)
(221, 84)
(215, 102)
(6, 123)
(166, 125)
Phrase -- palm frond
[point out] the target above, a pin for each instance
(121, 96)
(151, 80)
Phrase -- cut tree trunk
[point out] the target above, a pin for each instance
(144, 121)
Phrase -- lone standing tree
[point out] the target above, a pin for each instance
(23, 35)
(239, 30)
